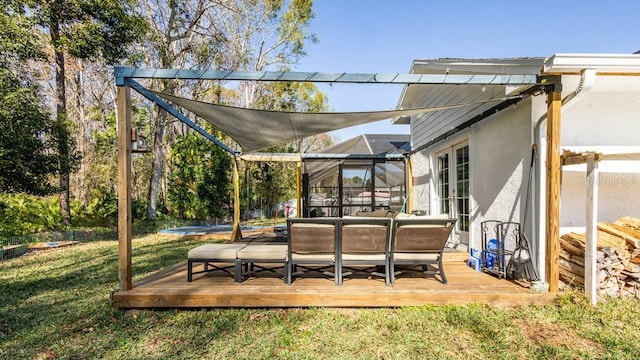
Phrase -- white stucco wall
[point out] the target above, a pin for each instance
(501, 155)
(618, 196)
(608, 114)
(500, 149)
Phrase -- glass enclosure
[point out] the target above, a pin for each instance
(352, 186)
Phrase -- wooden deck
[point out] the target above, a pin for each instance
(170, 289)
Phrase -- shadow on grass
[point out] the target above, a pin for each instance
(59, 301)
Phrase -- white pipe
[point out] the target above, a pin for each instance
(587, 79)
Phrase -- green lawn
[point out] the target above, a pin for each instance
(55, 305)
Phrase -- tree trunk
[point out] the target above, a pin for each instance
(62, 128)
(157, 164)
(80, 189)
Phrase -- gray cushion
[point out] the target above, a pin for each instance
(363, 257)
(215, 251)
(313, 257)
(415, 257)
(263, 252)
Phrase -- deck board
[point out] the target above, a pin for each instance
(169, 289)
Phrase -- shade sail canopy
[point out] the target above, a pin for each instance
(255, 129)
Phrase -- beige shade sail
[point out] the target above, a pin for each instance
(255, 129)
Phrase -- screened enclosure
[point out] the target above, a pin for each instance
(363, 174)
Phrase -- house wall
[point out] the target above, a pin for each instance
(500, 149)
(501, 156)
(607, 115)
(618, 196)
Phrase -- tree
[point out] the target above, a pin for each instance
(180, 34)
(26, 156)
(83, 29)
(26, 159)
(274, 182)
(200, 179)
(231, 34)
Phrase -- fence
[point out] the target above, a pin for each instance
(17, 245)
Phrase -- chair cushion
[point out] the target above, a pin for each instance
(312, 257)
(263, 252)
(376, 213)
(404, 215)
(415, 257)
(363, 257)
(220, 251)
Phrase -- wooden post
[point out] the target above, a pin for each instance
(236, 233)
(554, 168)
(591, 248)
(299, 190)
(124, 188)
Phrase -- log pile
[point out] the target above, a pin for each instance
(618, 258)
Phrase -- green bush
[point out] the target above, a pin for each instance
(26, 214)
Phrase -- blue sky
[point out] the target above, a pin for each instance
(369, 36)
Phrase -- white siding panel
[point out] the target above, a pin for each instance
(426, 127)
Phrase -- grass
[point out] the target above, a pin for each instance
(55, 305)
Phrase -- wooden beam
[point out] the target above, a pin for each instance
(124, 188)
(627, 156)
(573, 158)
(236, 233)
(554, 167)
(591, 249)
(466, 286)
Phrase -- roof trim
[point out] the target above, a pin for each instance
(613, 64)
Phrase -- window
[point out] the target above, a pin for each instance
(462, 187)
(443, 183)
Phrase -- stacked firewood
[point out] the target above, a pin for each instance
(618, 258)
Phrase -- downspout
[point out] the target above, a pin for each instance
(587, 79)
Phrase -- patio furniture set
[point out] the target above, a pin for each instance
(335, 247)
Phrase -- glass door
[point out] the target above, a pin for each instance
(357, 189)
(452, 187)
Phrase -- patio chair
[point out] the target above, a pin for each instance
(313, 241)
(419, 240)
(365, 241)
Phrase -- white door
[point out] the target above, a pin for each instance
(452, 187)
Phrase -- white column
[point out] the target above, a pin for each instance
(591, 247)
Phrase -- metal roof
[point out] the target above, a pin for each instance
(432, 95)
